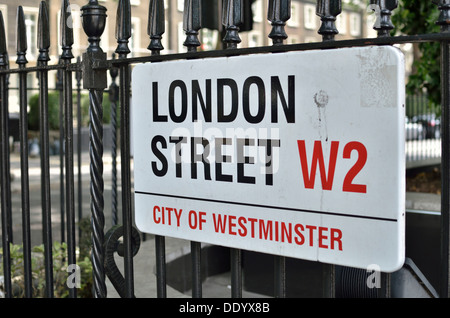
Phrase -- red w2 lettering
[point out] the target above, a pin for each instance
(327, 177)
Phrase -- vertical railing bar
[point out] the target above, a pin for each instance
(444, 22)
(280, 276)
(155, 30)
(384, 28)
(66, 56)
(191, 25)
(8, 163)
(23, 127)
(416, 111)
(123, 34)
(328, 10)
(196, 258)
(160, 252)
(44, 44)
(60, 88)
(6, 240)
(79, 158)
(232, 17)
(279, 11)
(114, 97)
(4, 164)
(236, 273)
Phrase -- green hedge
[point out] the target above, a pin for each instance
(53, 110)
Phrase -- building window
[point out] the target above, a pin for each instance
(257, 11)
(341, 23)
(208, 39)
(180, 5)
(370, 23)
(31, 19)
(310, 16)
(255, 39)
(294, 21)
(355, 24)
(181, 38)
(135, 40)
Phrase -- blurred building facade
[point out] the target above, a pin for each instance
(353, 22)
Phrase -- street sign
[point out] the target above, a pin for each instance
(299, 154)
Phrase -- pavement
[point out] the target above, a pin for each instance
(144, 262)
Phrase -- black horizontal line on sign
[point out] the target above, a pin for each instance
(266, 206)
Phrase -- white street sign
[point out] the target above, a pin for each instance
(299, 154)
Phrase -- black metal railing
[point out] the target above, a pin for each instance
(92, 69)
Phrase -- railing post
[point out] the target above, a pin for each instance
(232, 13)
(94, 79)
(279, 11)
(155, 30)
(4, 165)
(444, 22)
(59, 88)
(191, 24)
(23, 123)
(123, 34)
(79, 77)
(328, 10)
(44, 45)
(66, 57)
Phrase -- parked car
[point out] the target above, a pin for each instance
(414, 131)
(431, 124)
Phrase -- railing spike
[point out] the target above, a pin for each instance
(43, 32)
(3, 46)
(156, 26)
(66, 31)
(328, 10)
(444, 14)
(21, 37)
(232, 13)
(278, 13)
(123, 26)
(383, 9)
(192, 22)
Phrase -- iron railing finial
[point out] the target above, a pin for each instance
(3, 46)
(66, 31)
(278, 13)
(22, 45)
(444, 15)
(192, 22)
(328, 10)
(383, 10)
(123, 27)
(94, 22)
(232, 13)
(156, 25)
(43, 41)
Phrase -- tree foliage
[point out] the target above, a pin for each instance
(419, 17)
